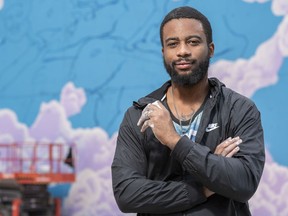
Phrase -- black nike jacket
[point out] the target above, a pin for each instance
(149, 179)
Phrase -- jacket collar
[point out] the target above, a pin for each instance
(158, 94)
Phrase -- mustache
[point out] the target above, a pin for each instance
(185, 60)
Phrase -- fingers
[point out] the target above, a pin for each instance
(234, 151)
(146, 124)
(229, 147)
(147, 113)
(144, 116)
(232, 147)
(157, 103)
(208, 192)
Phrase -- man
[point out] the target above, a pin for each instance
(177, 150)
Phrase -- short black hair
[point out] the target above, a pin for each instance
(190, 13)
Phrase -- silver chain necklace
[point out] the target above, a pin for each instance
(182, 118)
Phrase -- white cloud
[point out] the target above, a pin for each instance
(97, 142)
(269, 198)
(1, 4)
(248, 75)
(256, 1)
(72, 99)
(280, 7)
(11, 130)
(91, 194)
(51, 123)
(282, 33)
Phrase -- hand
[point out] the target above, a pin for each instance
(158, 118)
(207, 192)
(227, 148)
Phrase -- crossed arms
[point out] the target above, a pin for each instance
(135, 193)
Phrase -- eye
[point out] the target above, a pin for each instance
(172, 44)
(194, 42)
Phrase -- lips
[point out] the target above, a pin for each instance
(183, 65)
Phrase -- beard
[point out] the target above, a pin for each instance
(189, 79)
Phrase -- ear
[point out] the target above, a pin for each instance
(162, 51)
(211, 48)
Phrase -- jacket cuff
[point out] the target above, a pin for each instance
(182, 148)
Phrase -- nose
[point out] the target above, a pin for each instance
(183, 50)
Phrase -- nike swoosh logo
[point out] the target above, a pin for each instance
(212, 127)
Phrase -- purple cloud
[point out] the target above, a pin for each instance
(72, 99)
(257, 1)
(51, 126)
(248, 75)
(92, 191)
(280, 7)
(51, 123)
(11, 130)
(270, 198)
(282, 32)
(94, 148)
(92, 194)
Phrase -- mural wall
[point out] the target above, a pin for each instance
(69, 70)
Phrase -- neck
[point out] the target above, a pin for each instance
(186, 100)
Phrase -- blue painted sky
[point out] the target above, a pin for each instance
(112, 50)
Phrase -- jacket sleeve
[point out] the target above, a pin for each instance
(133, 191)
(238, 177)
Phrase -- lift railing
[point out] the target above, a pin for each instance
(30, 163)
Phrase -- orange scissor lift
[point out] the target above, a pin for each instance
(31, 167)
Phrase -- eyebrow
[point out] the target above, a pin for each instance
(187, 38)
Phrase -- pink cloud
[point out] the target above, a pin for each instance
(280, 7)
(94, 150)
(282, 32)
(246, 76)
(51, 123)
(91, 194)
(1, 4)
(92, 190)
(270, 198)
(11, 130)
(257, 1)
(72, 99)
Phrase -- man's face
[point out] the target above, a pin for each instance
(185, 51)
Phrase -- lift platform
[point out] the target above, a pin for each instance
(26, 170)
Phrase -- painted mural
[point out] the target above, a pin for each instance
(69, 70)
